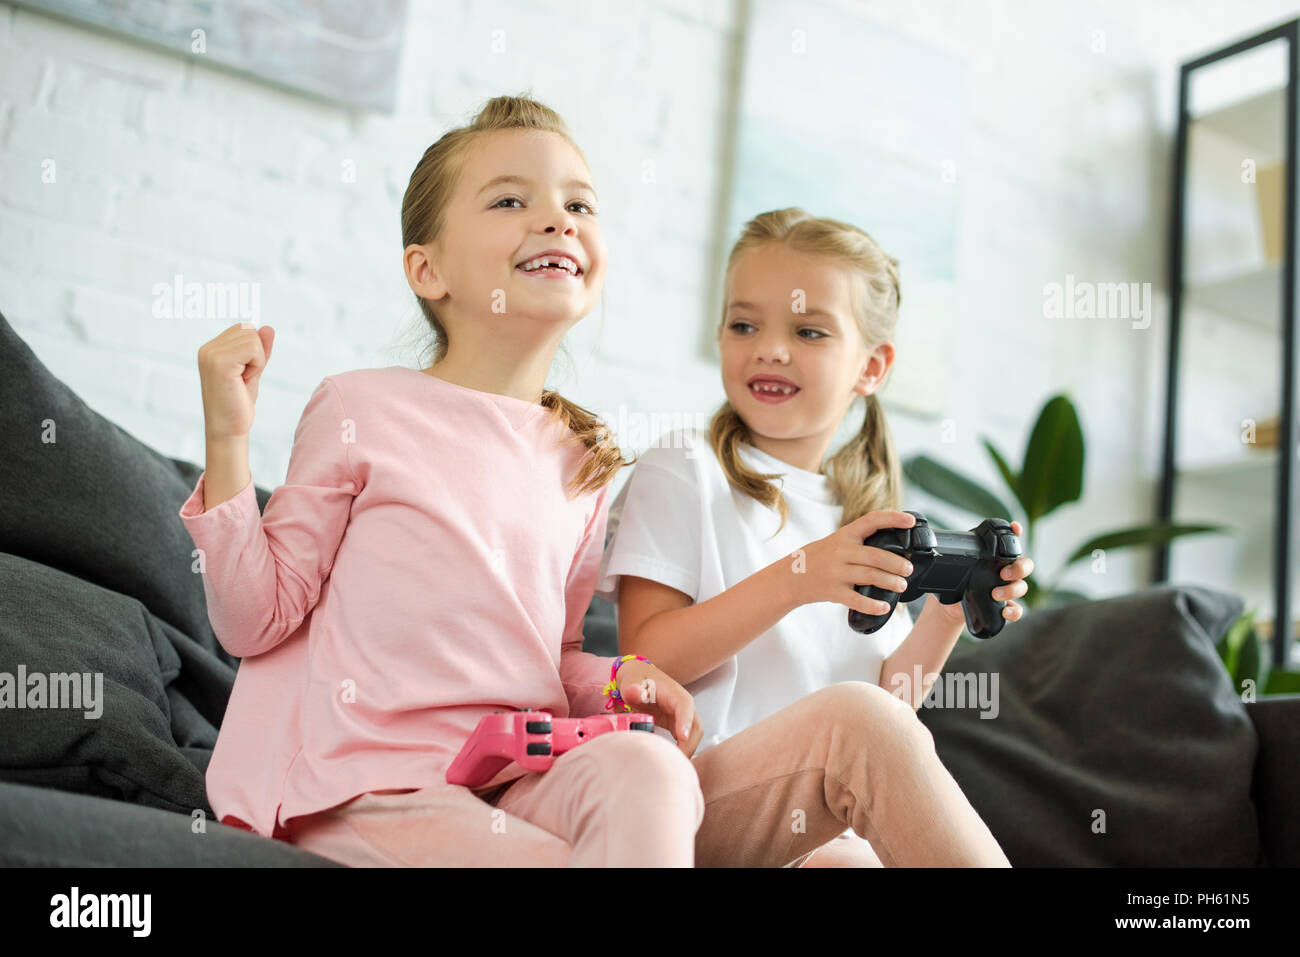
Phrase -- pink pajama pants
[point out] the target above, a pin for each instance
(777, 794)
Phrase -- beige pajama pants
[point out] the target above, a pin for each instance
(777, 794)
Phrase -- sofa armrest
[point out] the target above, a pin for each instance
(1276, 787)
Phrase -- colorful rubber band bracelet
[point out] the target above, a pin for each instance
(611, 689)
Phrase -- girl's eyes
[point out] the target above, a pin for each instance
(817, 333)
(515, 199)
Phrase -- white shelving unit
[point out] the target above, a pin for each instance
(1240, 493)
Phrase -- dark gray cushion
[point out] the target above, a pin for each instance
(600, 628)
(1119, 706)
(160, 695)
(40, 828)
(96, 502)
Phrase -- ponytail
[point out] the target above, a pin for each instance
(599, 468)
(726, 431)
(865, 473)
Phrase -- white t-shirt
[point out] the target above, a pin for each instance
(678, 521)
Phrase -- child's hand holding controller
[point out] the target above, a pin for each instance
(647, 689)
(229, 369)
(827, 569)
(1013, 586)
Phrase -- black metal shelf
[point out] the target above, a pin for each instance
(1284, 489)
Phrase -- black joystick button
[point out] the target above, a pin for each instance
(923, 537)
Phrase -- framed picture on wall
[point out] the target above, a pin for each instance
(334, 50)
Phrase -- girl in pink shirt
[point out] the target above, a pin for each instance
(433, 551)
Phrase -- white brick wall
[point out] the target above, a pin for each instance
(168, 166)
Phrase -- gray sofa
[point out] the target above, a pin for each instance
(1117, 740)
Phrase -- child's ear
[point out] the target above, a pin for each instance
(873, 368)
(420, 274)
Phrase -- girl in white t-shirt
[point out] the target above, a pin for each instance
(740, 588)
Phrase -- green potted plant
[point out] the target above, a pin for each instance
(1051, 475)
(1242, 654)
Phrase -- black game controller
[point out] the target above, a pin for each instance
(952, 566)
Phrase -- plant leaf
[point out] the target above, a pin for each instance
(1229, 653)
(953, 487)
(1156, 534)
(1052, 471)
(1248, 660)
(1281, 681)
(1008, 476)
(1229, 646)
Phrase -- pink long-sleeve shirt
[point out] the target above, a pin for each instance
(421, 567)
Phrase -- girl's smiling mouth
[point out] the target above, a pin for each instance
(553, 263)
(771, 388)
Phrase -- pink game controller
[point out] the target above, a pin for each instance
(531, 739)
